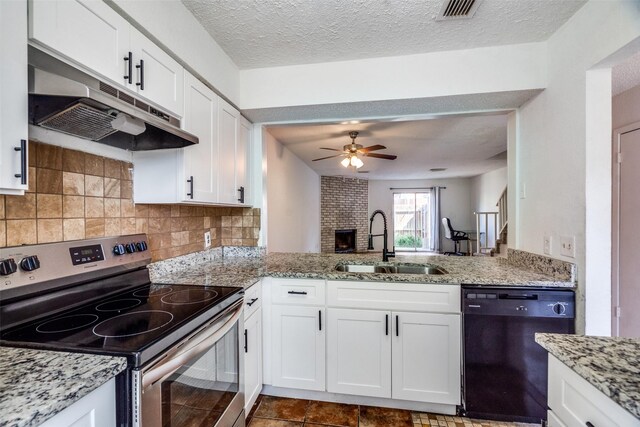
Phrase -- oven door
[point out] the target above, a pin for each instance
(196, 382)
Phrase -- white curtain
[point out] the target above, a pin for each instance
(436, 220)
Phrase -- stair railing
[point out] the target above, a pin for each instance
(486, 231)
(502, 210)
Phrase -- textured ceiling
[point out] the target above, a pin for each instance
(465, 145)
(626, 75)
(259, 33)
(393, 107)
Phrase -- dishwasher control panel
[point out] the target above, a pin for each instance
(522, 302)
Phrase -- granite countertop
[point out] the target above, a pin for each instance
(37, 384)
(235, 271)
(609, 364)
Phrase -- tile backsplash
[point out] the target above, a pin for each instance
(75, 195)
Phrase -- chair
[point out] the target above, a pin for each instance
(455, 236)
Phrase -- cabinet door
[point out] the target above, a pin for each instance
(228, 128)
(298, 347)
(359, 352)
(96, 409)
(200, 160)
(87, 32)
(426, 357)
(157, 76)
(243, 146)
(252, 359)
(13, 95)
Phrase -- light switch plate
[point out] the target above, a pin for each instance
(207, 239)
(568, 246)
(547, 245)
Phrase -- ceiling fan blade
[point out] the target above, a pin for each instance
(372, 148)
(330, 157)
(332, 149)
(381, 156)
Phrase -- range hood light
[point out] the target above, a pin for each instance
(128, 124)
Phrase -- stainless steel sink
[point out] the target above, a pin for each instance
(391, 269)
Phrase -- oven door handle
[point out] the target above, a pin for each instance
(199, 347)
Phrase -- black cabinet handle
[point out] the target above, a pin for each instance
(241, 190)
(297, 292)
(129, 61)
(320, 319)
(141, 67)
(397, 326)
(386, 324)
(246, 343)
(253, 301)
(588, 424)
(190, 193)
(23, 161)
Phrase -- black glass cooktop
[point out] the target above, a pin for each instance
(128, 322)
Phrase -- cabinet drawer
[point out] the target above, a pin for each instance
(394, 296)
(553, 421)
(575, 402)
(297, 291)
(252, 299)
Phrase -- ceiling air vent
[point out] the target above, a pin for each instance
(458, 9)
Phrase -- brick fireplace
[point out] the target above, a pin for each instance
(344, 205)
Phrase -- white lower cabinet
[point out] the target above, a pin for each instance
(573, 402)
(252, 358)
(426, 357)
(96, 409)
(359, 352)
(298, 347)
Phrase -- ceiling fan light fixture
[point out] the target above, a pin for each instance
(345, 162)
(355, 161)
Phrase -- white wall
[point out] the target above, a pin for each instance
(171, 23)
(564, 152)
(626, 108)
(487, 188)
(494, 69)
(293, 201)
(455, 204)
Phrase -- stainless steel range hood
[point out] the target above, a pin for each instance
(64, 99)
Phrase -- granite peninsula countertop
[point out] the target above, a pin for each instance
(37, 384)
(243, 271)
(609, 364)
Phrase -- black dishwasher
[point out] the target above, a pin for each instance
(505, 371)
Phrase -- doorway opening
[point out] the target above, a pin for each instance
(412, 221)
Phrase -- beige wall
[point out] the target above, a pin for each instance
(75, 195)
(626, 108)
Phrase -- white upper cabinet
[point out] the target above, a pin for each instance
(157, 76)
(13, 97)
(87, 32)
(229, 119)
(243, 144)
(93, 36)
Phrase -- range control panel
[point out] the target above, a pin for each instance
(26, 269)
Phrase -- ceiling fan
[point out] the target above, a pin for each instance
(350, 152)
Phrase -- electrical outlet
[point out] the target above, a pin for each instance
(547, 245)
(207, 239)
(568, 246)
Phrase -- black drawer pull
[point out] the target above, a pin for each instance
(297, 292)
(397, 326)
(253, 301)
(23, 161)
(320, 319)
(246, 343)
(588, 424)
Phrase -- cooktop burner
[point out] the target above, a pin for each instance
(189, 296)
(134, 323)
(125, 323)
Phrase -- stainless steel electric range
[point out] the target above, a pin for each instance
(182, 342)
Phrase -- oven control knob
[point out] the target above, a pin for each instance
(131, 247)
(119, 249)
(559, 308)
(8, 266)
(30, 263)
(141, 246)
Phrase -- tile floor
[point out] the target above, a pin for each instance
(272, 411)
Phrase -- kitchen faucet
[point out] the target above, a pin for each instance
(385, 253)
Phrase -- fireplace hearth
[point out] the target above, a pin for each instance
(346, 241)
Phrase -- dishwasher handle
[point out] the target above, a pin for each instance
(531, 297)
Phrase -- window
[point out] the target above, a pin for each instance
(412, 221)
